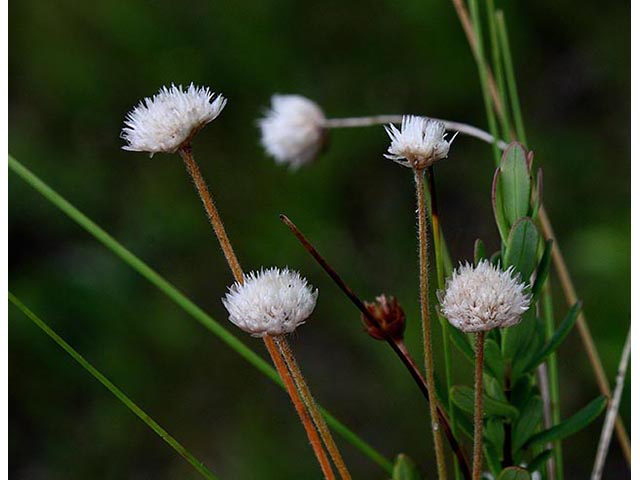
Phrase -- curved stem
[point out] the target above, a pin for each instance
(423, 249)
(312, 407)
(477, 416)
(289, 384)
(463, 128)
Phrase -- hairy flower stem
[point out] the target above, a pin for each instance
(444, 325)
(397, 345)
(558, 259)
(463, 128)
(236, 269)
(289, 383)
(423, 250)
(477, 416)
(312, 407)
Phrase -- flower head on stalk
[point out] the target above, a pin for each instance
(169, 120)
(270, 302)
(292, 130)
(418, 143)
(484, 297)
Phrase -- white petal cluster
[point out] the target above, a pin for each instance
(270, 302)
(419, 142)
(164, 122)
(292, 130)
(483, 298)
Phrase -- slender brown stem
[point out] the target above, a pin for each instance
(398, 346)
(477, 416)
(312, 433)
(583, 328)
(212, 212)
(424, 312)
(236, 270)
(312, 406)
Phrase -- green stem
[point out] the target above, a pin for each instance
(444, 324)
(497, 69)
(511, 77)
(483, 73)
(554, 383)
(119, 394)
(181, 300)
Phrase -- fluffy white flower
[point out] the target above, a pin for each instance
(482, 298)
(419, 142)
(270, 302)
(292, 130)
(170, 118)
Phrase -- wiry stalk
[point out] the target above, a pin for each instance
(463, 128)
(612, 411)
(298, 404)
(423, 250)
(477, 415)
(558, 259)
(312, 407)
(236, 269)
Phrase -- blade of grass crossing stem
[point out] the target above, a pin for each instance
(552, 366)
(484, 81)
(498, 70)
(514, 99)
(182, 301)
(119, 394)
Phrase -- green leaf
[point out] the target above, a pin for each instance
(494, 433)
(560, 334)
(463, 397)
(525, 425)
(516, 338)
(537, 198)
(532, 347)
(522, 247)
(498, 207)
(521, 390)
(537, 461)
(572, 425)
(460, 340)
(543, 268)
(515, 183)
(514, 473)
(493, 359)
(405, 469)
(479, 252)
(493, 457)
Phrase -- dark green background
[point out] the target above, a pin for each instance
(76, 68)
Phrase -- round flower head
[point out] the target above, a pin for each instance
(419, 142)
(481, 298)
(169, 119)
(292, 130)
(270, 302)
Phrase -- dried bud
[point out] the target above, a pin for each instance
(389, 319)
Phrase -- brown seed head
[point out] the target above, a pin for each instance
(389, 319)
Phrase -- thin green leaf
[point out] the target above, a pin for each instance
(543, 269)
(463, 397)
(538, 461)
(405, 469)
(498, 207)
(479, 251)
(525, 426)
(515, 183)
(182, 301)
(522, 247)
(572, 425)
(516, 338)
(460, 340)
(119, 394)
(561, 333)
(493, 359)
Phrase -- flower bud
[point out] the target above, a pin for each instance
(389, 319)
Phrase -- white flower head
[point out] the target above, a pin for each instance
(270, 302)
(419, 142)
(169, 119)
(292, 130)
(481, 298)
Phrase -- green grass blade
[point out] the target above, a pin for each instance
(511, 76)
(497, 68)
(119, 394)
(181, 300)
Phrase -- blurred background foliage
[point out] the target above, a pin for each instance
(76, 68)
